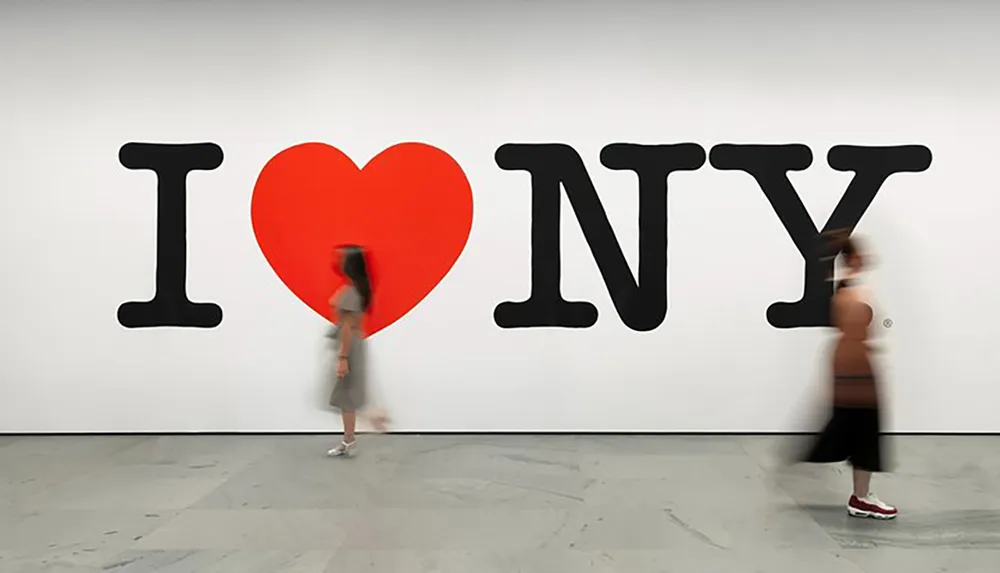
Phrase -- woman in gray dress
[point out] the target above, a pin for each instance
(349, 304)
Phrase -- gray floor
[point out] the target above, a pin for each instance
(549, 504)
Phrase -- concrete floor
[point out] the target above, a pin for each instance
(468, 504)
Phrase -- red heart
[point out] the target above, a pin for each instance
(410, 207)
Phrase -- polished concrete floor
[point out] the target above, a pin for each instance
(484, 504)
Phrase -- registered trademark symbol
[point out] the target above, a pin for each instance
(887, 323)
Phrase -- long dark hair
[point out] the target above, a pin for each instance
(355, 267)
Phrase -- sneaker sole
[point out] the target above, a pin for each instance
(870, 514)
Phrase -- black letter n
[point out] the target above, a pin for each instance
(642, 304)
(170, 305)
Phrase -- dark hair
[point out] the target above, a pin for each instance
(355, 267)
(834, 243)
(839, 242)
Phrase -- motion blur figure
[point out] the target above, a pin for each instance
(854, 432)
(349, 305)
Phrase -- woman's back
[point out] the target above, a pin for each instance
(852, 311)
(852, 367)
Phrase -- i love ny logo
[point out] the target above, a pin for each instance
(412, 206)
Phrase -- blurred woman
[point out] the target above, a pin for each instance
(349, 305)
(854, 432)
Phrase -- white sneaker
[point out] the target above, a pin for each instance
(870, 506)
(344, 450)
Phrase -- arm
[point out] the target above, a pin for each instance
(348, 328)
(349, 310)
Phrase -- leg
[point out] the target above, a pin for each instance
(342, 400)
(346, 447)
(350, 423)
(862, 482)
(866, 457)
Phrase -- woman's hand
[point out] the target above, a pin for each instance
(342, 368)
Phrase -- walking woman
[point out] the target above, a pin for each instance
(854, 432)
(349, 305)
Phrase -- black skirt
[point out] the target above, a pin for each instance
(853, 435)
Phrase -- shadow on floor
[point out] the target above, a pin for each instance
(951, 529)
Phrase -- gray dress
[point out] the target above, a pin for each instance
(349, 392)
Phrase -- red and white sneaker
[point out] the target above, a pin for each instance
(870, 506)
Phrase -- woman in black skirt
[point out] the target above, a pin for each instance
(854, 432)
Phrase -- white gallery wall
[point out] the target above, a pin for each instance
(79, 230)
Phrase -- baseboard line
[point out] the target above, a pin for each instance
(469, 433)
